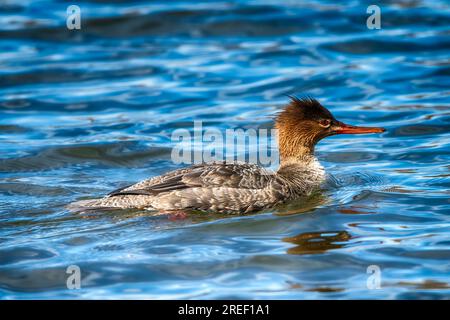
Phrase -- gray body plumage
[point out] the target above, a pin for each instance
(217, 187)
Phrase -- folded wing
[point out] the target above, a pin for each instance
(231, 175)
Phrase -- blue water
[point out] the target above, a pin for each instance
(83, 112)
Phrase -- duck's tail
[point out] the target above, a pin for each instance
(110, 203)
(88, 205)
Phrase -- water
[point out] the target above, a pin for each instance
(84, 112)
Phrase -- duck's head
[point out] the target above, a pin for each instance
(304, 122)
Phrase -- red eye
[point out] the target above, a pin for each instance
(325, 123)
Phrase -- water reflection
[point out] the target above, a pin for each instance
(305, 204)
(317, 242)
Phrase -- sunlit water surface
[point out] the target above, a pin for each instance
(84, 112)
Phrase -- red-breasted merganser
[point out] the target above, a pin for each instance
(241, 187)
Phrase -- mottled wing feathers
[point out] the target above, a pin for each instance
(232, 175)
(173, 183)
(112, 193)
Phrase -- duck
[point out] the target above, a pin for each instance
(239, 187)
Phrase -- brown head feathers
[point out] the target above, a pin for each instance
(299, 128)
(305, 108)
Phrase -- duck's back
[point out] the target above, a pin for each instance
(219, 187)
